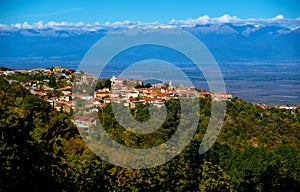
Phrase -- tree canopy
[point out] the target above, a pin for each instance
(41, 150)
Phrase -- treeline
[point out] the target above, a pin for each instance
(26, 77)
(41, 150)
(2, 68)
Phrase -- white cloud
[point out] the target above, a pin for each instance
(191, 22)
(204, 19)
(278, 20)
(79, 24)
(38, 25)
(125, 23)
(226, 19)
(17, 25)
(278, 17)
(25, 25)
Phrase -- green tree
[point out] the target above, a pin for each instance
(52, 82)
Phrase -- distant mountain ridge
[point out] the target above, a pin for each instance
(230, 42)
(227, 42)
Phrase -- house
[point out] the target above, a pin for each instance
(82, 96)
(66, 90)
(83, 129)
(38, 91)
(142, 91)
(58, 106)
(93, 102)
(164, 95)
(188, 93)
(153, 89)
(20, 71)
(57, 69)
(124, 84)
(287, 107)
(262, 105)
(52, 100)
(116, 81)
(110, 100)
(204, 94)
(86, 78)
(116, 94)
(151, 94)
(42, 94)
(88, 121)
(63, 105)
(158, 102)
(133, 102)
(219, 96)
(118, 87)
(132, 94)
(67, 97)
(8, 72)
(101, 94)
(58, 75)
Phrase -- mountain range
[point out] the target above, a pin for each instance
(227, 42)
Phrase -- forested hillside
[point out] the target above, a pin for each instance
(41, 150)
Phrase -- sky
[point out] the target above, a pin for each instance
(32, 11)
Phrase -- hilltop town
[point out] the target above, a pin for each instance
(61, 86)
(56, 86)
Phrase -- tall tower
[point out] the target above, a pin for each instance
(113, 79)
(170, 85)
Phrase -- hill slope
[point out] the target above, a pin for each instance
(257, 150)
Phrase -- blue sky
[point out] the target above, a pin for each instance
(19, 11)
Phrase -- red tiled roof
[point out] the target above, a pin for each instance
(65, 89)
(143, 89)
(102, 92)
(133, 100)
(84, 118)
(154, 89)
(112, 98)
(80, 95)
(42, 93)
(204, 93)
(153, 99)
(64, 102)
(37, 89)
(89, 76)
(163, 94)
(58, 104)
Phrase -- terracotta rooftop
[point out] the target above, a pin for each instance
(84, 118)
